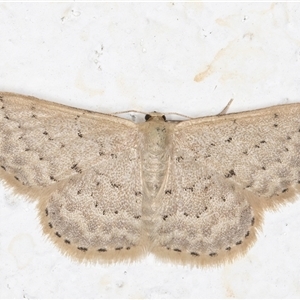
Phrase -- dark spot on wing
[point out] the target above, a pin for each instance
(102, 250)
(230, 174)
(82, 249)
(179, 158)
(190, 189)
(76, 168)
(117, 186)
(52, 178)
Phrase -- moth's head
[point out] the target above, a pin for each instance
(155, 116)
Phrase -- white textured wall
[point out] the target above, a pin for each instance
(190, 58)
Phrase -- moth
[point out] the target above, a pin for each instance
(107, 189)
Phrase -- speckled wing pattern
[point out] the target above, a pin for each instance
(225, 171)
(108, 189)
(82, 167)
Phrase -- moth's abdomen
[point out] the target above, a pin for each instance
(155, 164)
(155, 154)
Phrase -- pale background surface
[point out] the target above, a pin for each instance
(190, 58)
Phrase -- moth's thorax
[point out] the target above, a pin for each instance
(156, 136)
